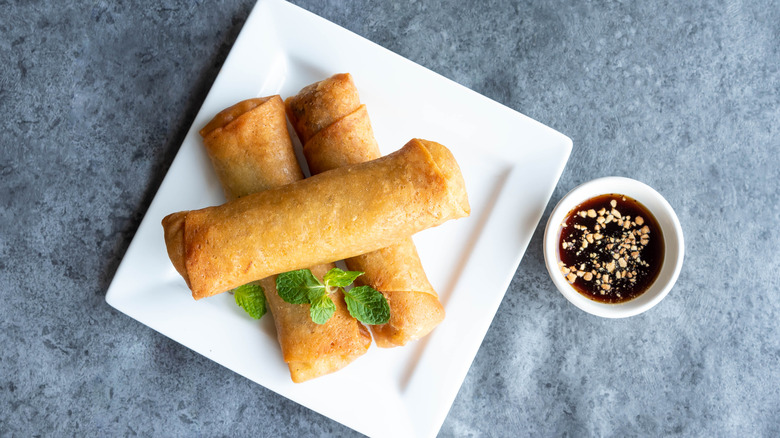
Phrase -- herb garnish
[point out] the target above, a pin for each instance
(251, 297)
(364, 303)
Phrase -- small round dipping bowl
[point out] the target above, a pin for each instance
(674, 247)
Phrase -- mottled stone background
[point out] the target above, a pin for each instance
(95, 99)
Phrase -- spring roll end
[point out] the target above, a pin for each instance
(320, 104)
(259, 123)
(302, 371)
(407, 320)
(224, 117)
(173, 229)
(451, 171)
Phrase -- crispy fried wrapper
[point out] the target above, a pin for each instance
(335, 215)
(250, 149)
(335, 131)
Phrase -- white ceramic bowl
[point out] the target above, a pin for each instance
(674, 247)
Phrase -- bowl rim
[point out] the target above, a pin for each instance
(674, 245)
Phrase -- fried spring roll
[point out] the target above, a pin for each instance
(251, 151)
(335, 131)
(331, 216)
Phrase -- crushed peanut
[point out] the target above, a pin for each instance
(612, 244)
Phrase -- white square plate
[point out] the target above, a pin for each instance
(511, 165)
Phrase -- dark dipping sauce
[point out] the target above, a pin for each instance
(611, 248)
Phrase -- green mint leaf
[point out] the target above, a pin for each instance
(251, 297)
(338, 278)
(322, 309)
(367, 305)
(295, 287)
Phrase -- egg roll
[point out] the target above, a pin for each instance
(331, 216)
(335, 131)
(251, 151)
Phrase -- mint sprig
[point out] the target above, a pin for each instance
(364, 303)
(251, 298)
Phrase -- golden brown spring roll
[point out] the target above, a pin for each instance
(337, 214)
(335, 131)
(250, 148)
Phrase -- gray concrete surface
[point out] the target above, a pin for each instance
(95, 99)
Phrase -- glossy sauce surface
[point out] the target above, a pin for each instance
(610, 248)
